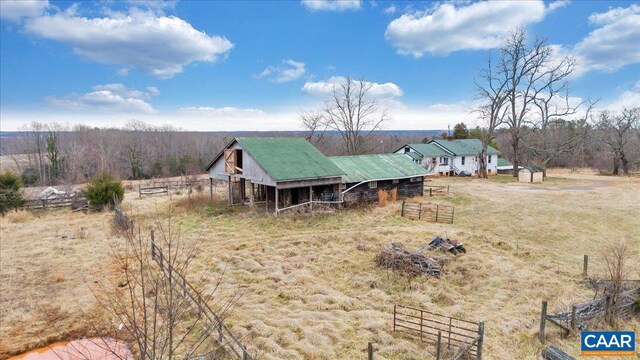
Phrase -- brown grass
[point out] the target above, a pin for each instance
(313, 290)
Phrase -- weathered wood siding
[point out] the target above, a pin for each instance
(362, 193)
(251, 170)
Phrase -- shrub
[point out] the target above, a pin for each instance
(30, 176)
(101, 190)
(10, 196)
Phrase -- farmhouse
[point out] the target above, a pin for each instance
(451, 157)
(531, 174)
(273, 173)
(365, 175)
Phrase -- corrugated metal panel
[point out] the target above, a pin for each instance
(465, 146)
(414, 155)
(377, 167)
(504, 162)
(289, 158)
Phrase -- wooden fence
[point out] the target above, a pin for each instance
(231, 345)
(151, 190)
(73, 202)
(575, 319)
(436, 190)
(466, 336)
(431, 212)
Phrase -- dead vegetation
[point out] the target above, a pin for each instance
(312, 289)
(409, 264)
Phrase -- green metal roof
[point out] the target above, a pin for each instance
(504, 162)
(289, 158)
(360, 168)
(414, 155)
(429, 150)
(465, 146)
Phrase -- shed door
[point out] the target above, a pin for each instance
(230, 161)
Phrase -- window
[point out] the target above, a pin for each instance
(489, 171)
(406, 149)
(433, 160)
(489, 159)
(415, 179)
(444, 160)
(373, 185)
(395, 181)
(463, 160)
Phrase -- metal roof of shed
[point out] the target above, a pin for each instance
(359, 168)
(464, 146)
(289, 158)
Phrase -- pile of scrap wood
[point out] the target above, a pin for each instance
(447, 245)
(410, 264)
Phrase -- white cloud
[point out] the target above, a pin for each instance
(627, 100)
(332, 5)
(158, 45)
(108, 98)
(324, 88)
(16, 10)
(288, 70)
(615, 42)
(391, 9)
(446, 28)
(558, 4)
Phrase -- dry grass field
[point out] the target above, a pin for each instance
(312, 288)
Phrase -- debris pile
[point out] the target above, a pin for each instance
(410, 264)
(447, 245)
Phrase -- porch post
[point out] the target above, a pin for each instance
(211, 189)
(276, 187)
(230, 193)
(251, 204)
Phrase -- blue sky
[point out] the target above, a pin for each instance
(255, 65)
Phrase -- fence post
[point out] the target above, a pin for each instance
(420, 212)
(370, 351)
(438, 346)
(573, 318)
(430, 192)
(401, 214)
(543, 321)
(394, 317)
(437, 213)
(421, 317)
(153, 247)
(447, 189)
(585, 266)
(480, 340)
(139, 191)
(449, 337)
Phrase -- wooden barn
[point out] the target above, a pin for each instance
(365, 175)
(274, 173)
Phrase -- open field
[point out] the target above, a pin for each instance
(313, 290)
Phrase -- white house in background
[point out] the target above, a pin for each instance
(451, 157)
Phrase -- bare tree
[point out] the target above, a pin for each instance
(530, 71)
(615, 132)
(148, 304)
(491, 89)
(354, 114)
(314, 124)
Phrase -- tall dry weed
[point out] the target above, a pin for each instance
(18, 216)
(394, 194)
(382, 197)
